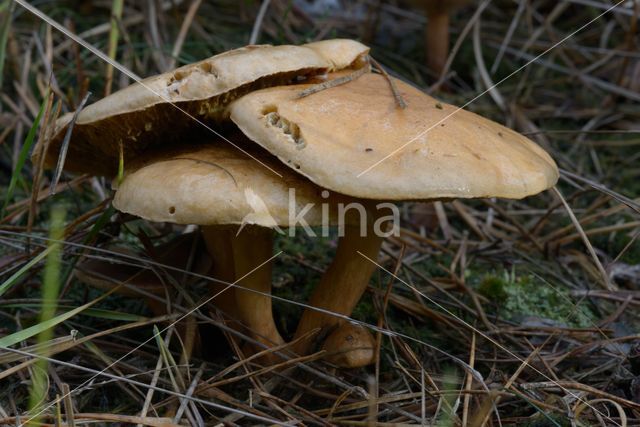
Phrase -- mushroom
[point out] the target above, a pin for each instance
(145, 283)
(356, 142)
(215, 185)
(144, 114)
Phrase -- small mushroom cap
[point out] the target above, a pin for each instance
(216, 184)
(137, 115)
(336, 135)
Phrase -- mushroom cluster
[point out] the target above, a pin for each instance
(348, 144)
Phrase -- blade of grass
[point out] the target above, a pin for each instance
(50, 114)
(114, 34)
(120, 164)
(6, 11)
(22, 157)
(169, 361)
(27, 333)
(50, 291)
(91, 312)
(89, 239)
(18, 274)
(62, 156)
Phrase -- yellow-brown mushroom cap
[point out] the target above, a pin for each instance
(140, 115)
(215, 184)
(336, 136)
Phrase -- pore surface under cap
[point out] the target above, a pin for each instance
(141, 114)
(335, 135)
(215, 183)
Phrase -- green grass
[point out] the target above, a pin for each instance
(6, 13)
(50, 291)
(22, 157)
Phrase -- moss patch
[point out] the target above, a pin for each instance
(517, 297)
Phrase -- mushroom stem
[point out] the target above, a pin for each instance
(218, 240)
(342, 285)
(437, 39)
(251, 248)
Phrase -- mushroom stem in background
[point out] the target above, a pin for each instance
(251, 248)
(343, 284)
(437, 39)
(437, 32)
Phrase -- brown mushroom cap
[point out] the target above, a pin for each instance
(141, 114)
(215, 184)
(335, 135)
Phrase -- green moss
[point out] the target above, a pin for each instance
(492, 287)
(517, 297)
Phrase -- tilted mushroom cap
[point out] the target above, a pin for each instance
(340, 53)
(142, 114)
(335, 136)
(214, 184)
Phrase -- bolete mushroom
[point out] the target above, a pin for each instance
(352, 139)
(215, 185)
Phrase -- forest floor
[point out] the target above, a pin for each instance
(499, 312)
